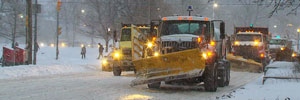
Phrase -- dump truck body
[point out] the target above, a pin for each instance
(190, 51)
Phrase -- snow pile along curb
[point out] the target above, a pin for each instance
(34, 70)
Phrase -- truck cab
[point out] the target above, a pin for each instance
(281, 49)
(191, 51)
(251, 43)
(177, 35)
(120, 59)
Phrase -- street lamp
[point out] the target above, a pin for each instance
(158, 10)
(21, 16)
(82, 11)
(215, 5)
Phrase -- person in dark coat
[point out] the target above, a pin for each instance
(100, 50)
(83, 52)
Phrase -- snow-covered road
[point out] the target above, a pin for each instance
(98, 85)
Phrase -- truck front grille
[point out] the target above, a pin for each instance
(126, 51)
(174, 46)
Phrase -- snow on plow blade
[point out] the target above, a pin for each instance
(241, 64)
(171, 66)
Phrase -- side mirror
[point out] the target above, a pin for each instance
(222, 30)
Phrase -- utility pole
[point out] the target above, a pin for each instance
(29, 31)
(35, 32)
(149, 11)
(57, 27)
(15, 28)
(298, 32)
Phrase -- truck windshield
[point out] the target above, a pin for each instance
(248, 37)
(277, 41)
(126, 33)
(185, 27)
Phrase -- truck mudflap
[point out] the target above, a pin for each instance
(171, 66)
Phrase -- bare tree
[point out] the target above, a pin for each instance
(12, 24)
(290, 6)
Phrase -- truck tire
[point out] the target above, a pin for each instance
(228, 73)
(222, 77)
(117, 71)
(154, 85)
(211, 77)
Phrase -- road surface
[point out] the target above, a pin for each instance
(104, 86)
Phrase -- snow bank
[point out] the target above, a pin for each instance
(69, 61)
(38, 70)
(272, 89)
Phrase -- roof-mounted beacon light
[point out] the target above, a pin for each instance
(190, 8)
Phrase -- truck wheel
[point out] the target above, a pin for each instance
(154, 85)
(117, 71)
(211, 78)
(227, 74)
(222, 77)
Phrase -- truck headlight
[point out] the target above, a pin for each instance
(236, 42)
(294, 55)
(212, 43)
(262, 55)
(256, 43)
(282, 48)
(149, 44)
(156, 54)
(104, 62)
(117, 55)
(207, 54)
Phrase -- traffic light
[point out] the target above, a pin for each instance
(59, 30)
(58, 5)
(251, 25)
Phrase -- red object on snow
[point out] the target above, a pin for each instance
(13, 57)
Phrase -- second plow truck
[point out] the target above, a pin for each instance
(250, 43)
(120, 59)
(188, 50)
(280, 49)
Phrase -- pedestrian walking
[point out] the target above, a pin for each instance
(37, 47)
(100, 50)
(16, 44)
(83, 52)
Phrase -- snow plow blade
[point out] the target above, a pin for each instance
(239, 63)
(171, 66)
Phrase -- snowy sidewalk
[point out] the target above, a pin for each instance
(273, 88)
(69, 62)
(282, 70)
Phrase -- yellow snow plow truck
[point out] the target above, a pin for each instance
(187, 50)
(250, 43)
(120, 59)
